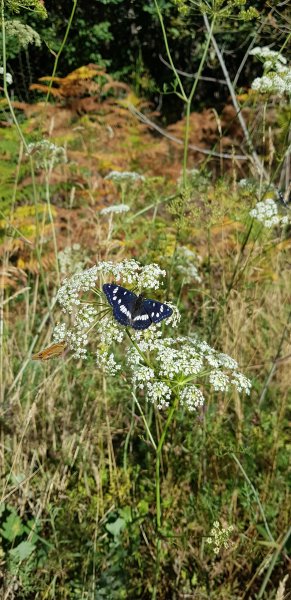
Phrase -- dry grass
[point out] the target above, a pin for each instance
(66, 430)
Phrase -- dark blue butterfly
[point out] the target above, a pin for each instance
(132, 310)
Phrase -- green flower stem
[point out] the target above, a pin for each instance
(127, 439)
(138, 349)
(61, 49)
(279, 549)
(189, 103)
(23, 140)
(182, 94)
(51, 218)
(145, 423)
(158, 449)
(187, 99)
(256, 496)
(158, 493)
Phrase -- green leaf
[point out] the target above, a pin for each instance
(22, 551)
(143, 507)
(116, 527)
(12, 527)
(126, 514)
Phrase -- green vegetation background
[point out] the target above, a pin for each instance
(77, 520)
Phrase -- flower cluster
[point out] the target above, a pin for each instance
(81, 299)
(266, 212)
(163, 368)
(47, 154)
(277, 75)
(219, 536)
(115, 209)
(124, 176)
(181, 364)
(182, 6)
(8, 76)
(185, 264)
(70, 259)
(24, 33)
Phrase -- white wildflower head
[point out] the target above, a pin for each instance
(71, 259)
(219, 536)
(23, 33)
(175, 317)
(109, 332)
(186, 261)
(115, 209)
(46, 154)
(147, 339)
(60, 332)
(241, 382)
(163, 369)
(106, 362)
(185, 365)
(276, 78)
(158, 393)
(90, 315)
(125, 176)
(266, 212)
(143, 376)
(267, 55)
(8, 76)
(191, 397)
(128, 272)
(219, 380)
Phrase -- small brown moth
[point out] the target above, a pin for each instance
(50, 352)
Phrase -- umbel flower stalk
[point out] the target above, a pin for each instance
(167, 371)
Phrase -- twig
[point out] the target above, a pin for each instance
(192, 75)
(173, 138)
(61, 49)
(274, 364)
(256, 495)
(272, 563)
(259, 165)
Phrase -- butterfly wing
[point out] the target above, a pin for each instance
(141, 318)
(157, 311)
(132, 310)
(122, 302)
(50, 352)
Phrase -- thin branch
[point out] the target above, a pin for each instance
(61, 49)
(256, 495)
(259, 165)
(275, 361)
(176, 140)
(192, 75)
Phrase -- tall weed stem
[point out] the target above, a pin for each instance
(23, 140)
(187, 99)
(159, 450)
(57, 56)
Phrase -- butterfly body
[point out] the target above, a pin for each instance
(132, 310)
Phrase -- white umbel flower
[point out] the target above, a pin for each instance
(115, 209)
(266, 212)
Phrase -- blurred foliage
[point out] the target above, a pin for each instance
(126, 38)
